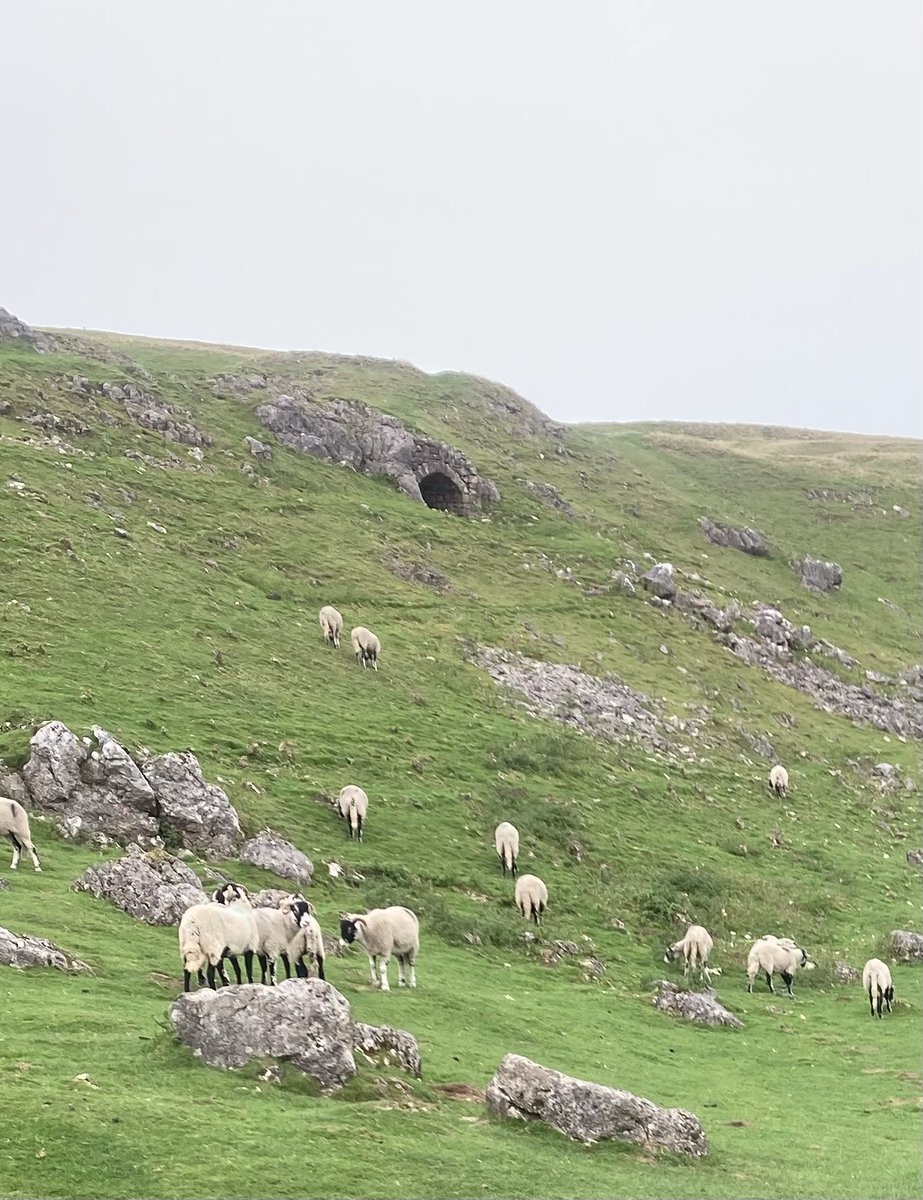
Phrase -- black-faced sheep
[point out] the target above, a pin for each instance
(876, 982)
(695, 947)
(353, 806)
(209, 933)
(778, 780)
(531, 896)
(506, 840)
(331, 623)
(366, 646)
(775, 956)
(383, 932)
(14, 824)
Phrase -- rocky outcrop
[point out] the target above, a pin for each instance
(22, 950)
(701, 1007)
(257, 448)
(590, 1112)
(13, 787)
(142, 407)
(383, 1045)
(548, 494)
(844, 973)
(601, 705)
(306, 1022)
(816, 575)
(915, 858)
(95, 791)
(14, 330)
(154, 886)
(414, 572)
(273, 853)
(748, 540)
(907, 945)
(660, 580)
(351, 434)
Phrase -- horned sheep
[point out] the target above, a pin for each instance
(14, 824)
(366, 646)
(383, 932)
(211, 932)
(531, 896)
(353, 805)
(876, 982)
(775, 956)
(695, 947)
(506, 840)
(289, 932)
(331, 623)
(778, 780)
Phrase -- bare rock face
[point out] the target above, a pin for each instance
(351, 434)
(915, 858)
(747, 540)
(147, 410)
(589, 1112)
(844, 973)
(22, 950)
(14, 330)
(155, 887)
(304, 1021)
(381, 1043)
(200, 811)
(257, 448)
(907, 945)
(273, 853)
(817, 575)
(13, 787)
(702, 1007)
(660, 580)
(414, 572)
(549, 495)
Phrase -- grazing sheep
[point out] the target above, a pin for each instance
(531, 897)
(695, 947)
(209, 933)
(309, 940)
(366, 646)
(775, 955)
(331, 623)
(383, 932)
(353, 806)
(14, 824)
(506, 839)
(778, 780)
(876, 980)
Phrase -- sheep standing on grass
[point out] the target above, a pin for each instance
(775, 956)
(383, 932)
(778, 780)
(531, 897)
(695, 947)
(331, 623)
(366, 646)
(506, 840)
(288, 932)
(14, 824)
(876, 981)
(209, 933)
(353, 806)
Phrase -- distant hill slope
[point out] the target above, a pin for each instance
(163, 581)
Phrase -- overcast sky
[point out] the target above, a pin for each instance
(625, 209)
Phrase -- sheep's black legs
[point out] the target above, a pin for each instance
(187, 981)
(320, 967)
(889, 996)
(248, 964)
(788, 977)
(232, 959)
(210, 976)
(201, 978)
(769, 981)
(286, 962)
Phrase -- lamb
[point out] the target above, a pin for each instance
(383, 932)
(506, 840)
(288, 932)
(210, 932)
(775, 956)
(876, 980)
(366, 646)
(778, 780)
(331, 623)
(353, 805)
(531, 897)
(695, 947)
(14, 824)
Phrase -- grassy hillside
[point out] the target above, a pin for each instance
(811, 1099)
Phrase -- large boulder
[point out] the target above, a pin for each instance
(748, 540)
(817, 575)
(14, 330)
(273, 853)
(53, 770)
(304, 1021)
(384, 1044)
(22, 950)
(13, 787)
(199, 811)
(906, 945)
(589, 1112)
(155, 887)
(660, 580)
(702, 1007)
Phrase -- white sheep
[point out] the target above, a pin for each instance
(331, 623)
(778, 780)
(774, 956)
(309, 940)
(353, 805)
(366, 646)
(531, 897)
(209, 933)
(876, 981)
(383, 932)
(695, 947)
(506, 840)
(14, 824)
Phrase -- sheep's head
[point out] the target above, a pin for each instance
(348, 928)
(230, 893)
(302, 912)
(669, 954)
(804, 956)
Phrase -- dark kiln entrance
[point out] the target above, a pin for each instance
(438, 491)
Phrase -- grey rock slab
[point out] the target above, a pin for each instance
(199, 811)
(382, 1043)
(273, 853)
(749, 541)
(660, 580)
(907, 945)
(590, 1112)
(306, 1022)
(155, 887)
(702, 1007)
(22, 950)
(817, 575)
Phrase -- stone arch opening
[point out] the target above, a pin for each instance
(439, 491)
